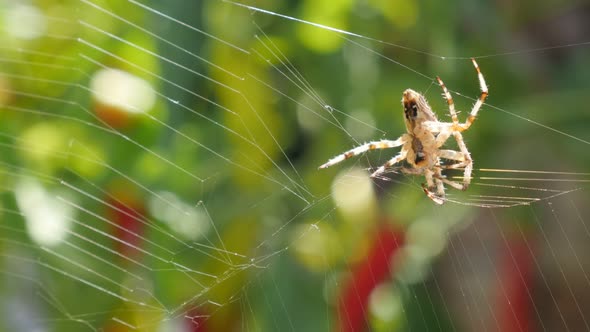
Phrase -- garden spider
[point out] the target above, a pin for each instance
(421, 144)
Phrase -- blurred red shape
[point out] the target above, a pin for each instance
(113, 116)
(514, 300)
(197, 320)
(372, 271)
(127, 214)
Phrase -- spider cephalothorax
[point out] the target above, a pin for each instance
(422, 142)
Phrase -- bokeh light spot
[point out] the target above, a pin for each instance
(317, 248)
(385, 303)
(190, 222)
(41, 144)
(47, 217)
(122, 90)
(353, 194)
(24, 21)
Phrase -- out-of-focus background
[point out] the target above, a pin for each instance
(158, 166)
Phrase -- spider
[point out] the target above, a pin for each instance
(422, 143)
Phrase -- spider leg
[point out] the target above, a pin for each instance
(399, 157)
(444, 179)
(440, 189)
(452, 155)
(471, 117)
(428, 175)
(433, 178)
(438, 198)
(412, 171)
(468, 162)
(442, 137)
(482, 97)
(382, 144)
(450, 102)
(453, 184)
(432, 196)
(438, 127)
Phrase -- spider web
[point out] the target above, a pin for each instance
(159, 168)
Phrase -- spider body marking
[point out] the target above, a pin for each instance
(423, 141)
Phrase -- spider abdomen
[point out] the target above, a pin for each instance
(423, 148)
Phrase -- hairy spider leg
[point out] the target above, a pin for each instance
(399, 157)
(440, 189)
(450, 102)
(432, 196)
(428, 175)
(442, 137)
(482, 97)
(412, 171)
(468, 161)
(382, 144)
(430, 182)
(457, 156)
(452, 183)
(463, 157)
(452, 155)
